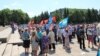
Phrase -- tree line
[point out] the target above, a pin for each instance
(18, 16)
(75, 15)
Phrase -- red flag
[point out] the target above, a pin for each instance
(46, 21)
(41, 23)
(54, 18)
(31, 24)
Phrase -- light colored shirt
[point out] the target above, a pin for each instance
(66, 34)
(98, 31)
(59, 34)
(51, 36)
(70, 30)
(90, 31)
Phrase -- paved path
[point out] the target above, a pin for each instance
(2, 28)
(75, 51)
(60, 51)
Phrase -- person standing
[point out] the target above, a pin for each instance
(59, 35)
(39, 35)
(51, 36)
(82, 38)
(55, 32)
(66, 35)
(63, 38)
(12, 27)
(98, 39)
(26, 41)
(94, 35)
(34, 43)
(78, 33)
(45, 44)
(70, 32)
(90, 36)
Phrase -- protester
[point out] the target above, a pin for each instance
(51, 36)
(94, 34)
(34, 43)
(82, 37)
(66, 35)
(98, 39)
(39, 35)
(78, 33)
(70, 32)
(26, 41)
(21, 33)
(12, 27)
(73, 31)
(63, 38)
(45, 44)
(55, 32)
(59, 35)
(87, 26)
(90, 35)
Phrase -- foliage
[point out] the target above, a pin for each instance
(76, 16)
(18, 16)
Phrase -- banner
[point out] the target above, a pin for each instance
(63, 23)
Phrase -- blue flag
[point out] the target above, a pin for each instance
(50, 20)
(63, 23)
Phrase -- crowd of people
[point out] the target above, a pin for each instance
(47, 38)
